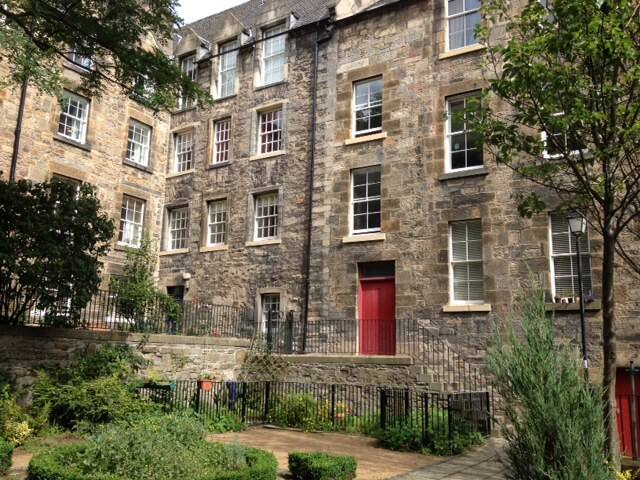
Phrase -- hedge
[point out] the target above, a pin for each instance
(321, 466)
(54, 465)
(6, 452)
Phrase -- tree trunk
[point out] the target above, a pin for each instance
(609, 349)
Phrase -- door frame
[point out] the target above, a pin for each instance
(361, 281)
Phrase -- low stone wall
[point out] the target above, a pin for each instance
(24, 349)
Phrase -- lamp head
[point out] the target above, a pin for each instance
(577, 223)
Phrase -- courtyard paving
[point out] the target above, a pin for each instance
(373, 463)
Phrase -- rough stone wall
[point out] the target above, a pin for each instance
(24, 349)
(241, 269)
(100, 162)
(405, 45)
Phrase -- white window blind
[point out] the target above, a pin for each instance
(466, 262)
(564, 262)
(274, 54)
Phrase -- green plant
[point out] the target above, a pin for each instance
(15, 424)
(6, 452)
(99, 388)
(553, 417)
(225, 423)
(300, 411)
(402, 437)
(321, 466)
(157, 447)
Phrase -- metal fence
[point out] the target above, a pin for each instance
(332, 407)
(108, 311)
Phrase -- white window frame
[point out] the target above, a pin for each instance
(189, 67)
(554, 156)
(173, 228)
(263, 311)
(227, 65)
(365, 200)
(272, 200)
(355, 108)
(262, 146)
(571, 255)
(131, 231)
(138, 143)
(221, 141)
(184, 151)
(217, 216)
(448, 24)
(448, 152)
(79, 122)
(270, 38)
(452, 299)
(81, 61)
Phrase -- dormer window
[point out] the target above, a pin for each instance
(274, 54)
(227, 69)
(189, 67)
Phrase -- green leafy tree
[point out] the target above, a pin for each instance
(553, 418)
(128, 41)
(52, 236)
(569, 71)
(138, 298)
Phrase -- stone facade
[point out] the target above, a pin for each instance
(100, 161)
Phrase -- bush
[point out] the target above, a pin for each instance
(6, 452)
(15, 425)
(99, 388)
(553, 417)
(225, 423)
(300, 411)
(321, 466)
(159, 447)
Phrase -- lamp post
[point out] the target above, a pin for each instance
(578, 227)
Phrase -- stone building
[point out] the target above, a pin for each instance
(329, 177)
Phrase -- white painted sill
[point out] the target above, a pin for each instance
(366, 138)
(260, 243)
(178, 251)
(461, 51)
(185, 127)
(214, 248)
(366, 237)
(180, 174)
(262, 156)
(480, 308)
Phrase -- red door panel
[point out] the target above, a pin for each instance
(377, 316)
(623, 410)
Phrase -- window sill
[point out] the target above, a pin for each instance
(594, 306)
(183, 110)
(471, 172)
(260, 243)
(137, 166)
(479, 308)
(68, 141)
(180, 174)
(214, 248)
(77, 68)
(365, 237)
(461, 51)
(227, 97)
(185, 127)
(262, 156)
(275, 84)
(213, 166)
(178, 251)
(366, 138)
(123, 247)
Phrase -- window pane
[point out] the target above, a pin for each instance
(368, 106)
(366, 200)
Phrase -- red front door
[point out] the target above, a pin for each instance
(623, 410)
(377, 316)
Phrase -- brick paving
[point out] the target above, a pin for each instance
(480, 464)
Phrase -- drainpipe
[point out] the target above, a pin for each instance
(312, 150)
(18, 132)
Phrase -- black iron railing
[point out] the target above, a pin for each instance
(331, 407)
(108, 311)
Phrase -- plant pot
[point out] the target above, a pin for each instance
(205, 385)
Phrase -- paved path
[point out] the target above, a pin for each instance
(479, 464)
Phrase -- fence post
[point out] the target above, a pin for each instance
(269, 331)
(267, 398)
(333, 405)
(243, 399)
(383, 408)
(407, 406)
(449, 420)
(289, 332)
(425, 417)
(488, 412)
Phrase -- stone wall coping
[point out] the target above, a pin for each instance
(115, 336)
(366, 237)
(350, 359)
(366, 138)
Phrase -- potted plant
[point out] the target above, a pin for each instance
(205, 384)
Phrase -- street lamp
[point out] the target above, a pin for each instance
(578, 227)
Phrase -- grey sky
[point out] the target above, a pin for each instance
(192, 10)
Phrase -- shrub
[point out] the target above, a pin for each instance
(553, 417)
(6, 452)
(159, 447)
(300, 411)
(99, 388)
(321, 466)
(15, 425)
(225, 423)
